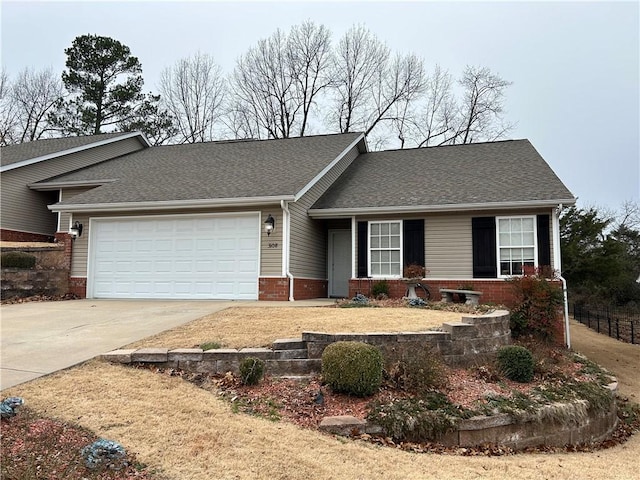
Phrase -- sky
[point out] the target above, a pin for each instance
(575, 66)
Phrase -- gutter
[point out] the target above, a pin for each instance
(286, 219)
(349, 212)
(557, 263)
(168, 204)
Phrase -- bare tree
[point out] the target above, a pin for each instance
(359, 61)
(481, 108)
(475, 114)
(310, 57)
(373, 90)
(36, 94)
(8, 112)
(193, 92)
(276, 84)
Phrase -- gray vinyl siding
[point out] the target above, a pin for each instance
(26, 210)
(448, 246)
(448, 241)
(308, 249)
(270, 258)
(65, 217)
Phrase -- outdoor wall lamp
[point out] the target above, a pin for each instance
(76, 230)
(269, 225)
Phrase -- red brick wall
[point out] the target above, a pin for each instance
(16, 236)
(308, 288)
(78, 286)
(273, 289)
(493, 290)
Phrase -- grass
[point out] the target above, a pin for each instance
(185, 432)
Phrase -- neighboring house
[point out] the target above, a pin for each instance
(25, 216)
(193, 221)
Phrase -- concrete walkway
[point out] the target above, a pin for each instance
(38, 338)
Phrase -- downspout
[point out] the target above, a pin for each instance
(557, 263)
(286, 219)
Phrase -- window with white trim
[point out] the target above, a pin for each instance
(516, 239)
(385, 249)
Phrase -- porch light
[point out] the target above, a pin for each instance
(269, 225)
(76, 230)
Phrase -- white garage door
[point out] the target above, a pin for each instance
(198, 257)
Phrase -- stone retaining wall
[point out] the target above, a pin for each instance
(49, 277)
(470, 341)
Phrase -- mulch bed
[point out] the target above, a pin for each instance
(295, 401)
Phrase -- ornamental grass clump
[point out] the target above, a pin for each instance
(354, 368)
(251, 371)
(516, 363)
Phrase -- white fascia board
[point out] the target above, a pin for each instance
(169, 204)
(326, 169)
(348, 212)
(30, 161)
(78, 183)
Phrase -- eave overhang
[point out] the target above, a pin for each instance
(47, 186)
(350, 212)
(170, 204)
(69, 151)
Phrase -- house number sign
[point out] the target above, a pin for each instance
(273, 244)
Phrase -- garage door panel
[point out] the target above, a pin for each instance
(176, 257)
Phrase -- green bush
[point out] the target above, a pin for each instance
(516, 363)
(17, 260)
(354, 368)
(251, 371)
(380, 289)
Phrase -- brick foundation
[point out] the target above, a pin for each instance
(16, 236)
(270, 288)
(493, 290)
(78, 286)
(308, 288)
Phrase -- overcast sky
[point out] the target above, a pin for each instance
(574, 65)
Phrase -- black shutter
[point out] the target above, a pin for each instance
(484, 247)
(362, 249)
(544, 245)
(413, 242)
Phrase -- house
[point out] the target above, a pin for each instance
(25, 216)
(306, 217)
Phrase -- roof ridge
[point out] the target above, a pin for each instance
(432, 147)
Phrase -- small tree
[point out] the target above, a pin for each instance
(536, 309)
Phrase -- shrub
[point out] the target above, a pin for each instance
(418, 370)
(17, 260)
(354, 368)
(380, 289)
(251, 371)
(537, 307)
(516, 363)
(210, 345)
(416, 419)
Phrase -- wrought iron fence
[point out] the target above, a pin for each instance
(619, 323)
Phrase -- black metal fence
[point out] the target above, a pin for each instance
(620, 323)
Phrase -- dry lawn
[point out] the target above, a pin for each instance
(187, 433)
(242, 327)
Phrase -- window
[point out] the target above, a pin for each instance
(385, 249)
(516, 244)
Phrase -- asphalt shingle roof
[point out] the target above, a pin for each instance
(214, 170)
(496, 172)
(38, 148)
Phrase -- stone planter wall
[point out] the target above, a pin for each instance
(472, 340)
(49, 277)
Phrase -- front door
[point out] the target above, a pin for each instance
(339, 262)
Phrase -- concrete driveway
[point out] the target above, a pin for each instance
(38, 338)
